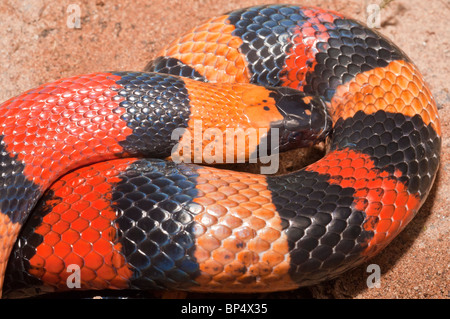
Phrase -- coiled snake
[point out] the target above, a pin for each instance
(88, 156)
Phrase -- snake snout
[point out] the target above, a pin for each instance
(305, 118)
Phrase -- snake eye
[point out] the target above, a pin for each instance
(305, 118)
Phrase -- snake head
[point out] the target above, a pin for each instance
(305, 119)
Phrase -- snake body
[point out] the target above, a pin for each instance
(87, 181)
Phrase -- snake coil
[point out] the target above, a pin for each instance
(80, 185)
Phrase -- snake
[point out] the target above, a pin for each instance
(96, 192)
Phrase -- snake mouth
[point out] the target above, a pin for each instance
(305, 119)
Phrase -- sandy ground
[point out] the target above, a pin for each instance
(38, 45)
